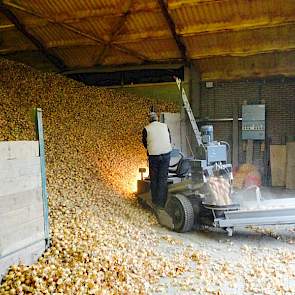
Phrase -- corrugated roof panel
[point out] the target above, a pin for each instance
(141, 36)
(76, 57)
(63, 10)
(240, 43)
(53, 32)
(97, 27)
(14, 41)
(144, 6)
(208, 28)
(261, 65)
(144, 25)
(155, 49)
(202, 14)
(56, 34)
(115, 57)
(29, 20)
(208, 16)
(148, 21)
(4, 22)
(71, 8)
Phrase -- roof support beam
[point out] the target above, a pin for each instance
(116, 30)
(56, 61)
(278, 48)
(169, 64)
(170, 22)
(237, 53)
(6, 27)
(187, 3)
(79, 32)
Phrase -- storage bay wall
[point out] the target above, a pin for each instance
(219, 101)
(167, 91)
(22, 238)
(279, 96)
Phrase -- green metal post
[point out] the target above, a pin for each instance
(40, 137)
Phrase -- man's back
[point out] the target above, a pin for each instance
(158, 138)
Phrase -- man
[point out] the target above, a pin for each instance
(156, 139)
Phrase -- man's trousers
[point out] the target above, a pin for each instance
(159, 166)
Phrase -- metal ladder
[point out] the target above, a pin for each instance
(189, 111)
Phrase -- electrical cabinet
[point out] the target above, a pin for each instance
(253, 122)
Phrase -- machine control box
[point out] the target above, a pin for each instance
(216, 153)
(253, 122)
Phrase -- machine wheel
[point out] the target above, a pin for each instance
(181, 211)
(142, 203)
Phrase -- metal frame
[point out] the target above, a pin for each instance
(40, 137)
(257, 217)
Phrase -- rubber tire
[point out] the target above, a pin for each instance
(184, 219)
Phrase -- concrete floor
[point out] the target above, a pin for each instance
(256, 260)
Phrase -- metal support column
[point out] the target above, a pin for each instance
(40, 137)
(235, 141)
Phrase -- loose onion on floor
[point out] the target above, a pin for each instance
(100, 241)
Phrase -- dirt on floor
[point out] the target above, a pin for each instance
(255, 260)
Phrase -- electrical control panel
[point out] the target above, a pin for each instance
(253, 122)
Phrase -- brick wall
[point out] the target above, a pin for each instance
(279, 97)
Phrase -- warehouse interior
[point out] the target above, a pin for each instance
(77, 82)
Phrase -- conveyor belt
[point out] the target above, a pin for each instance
(279, 211)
